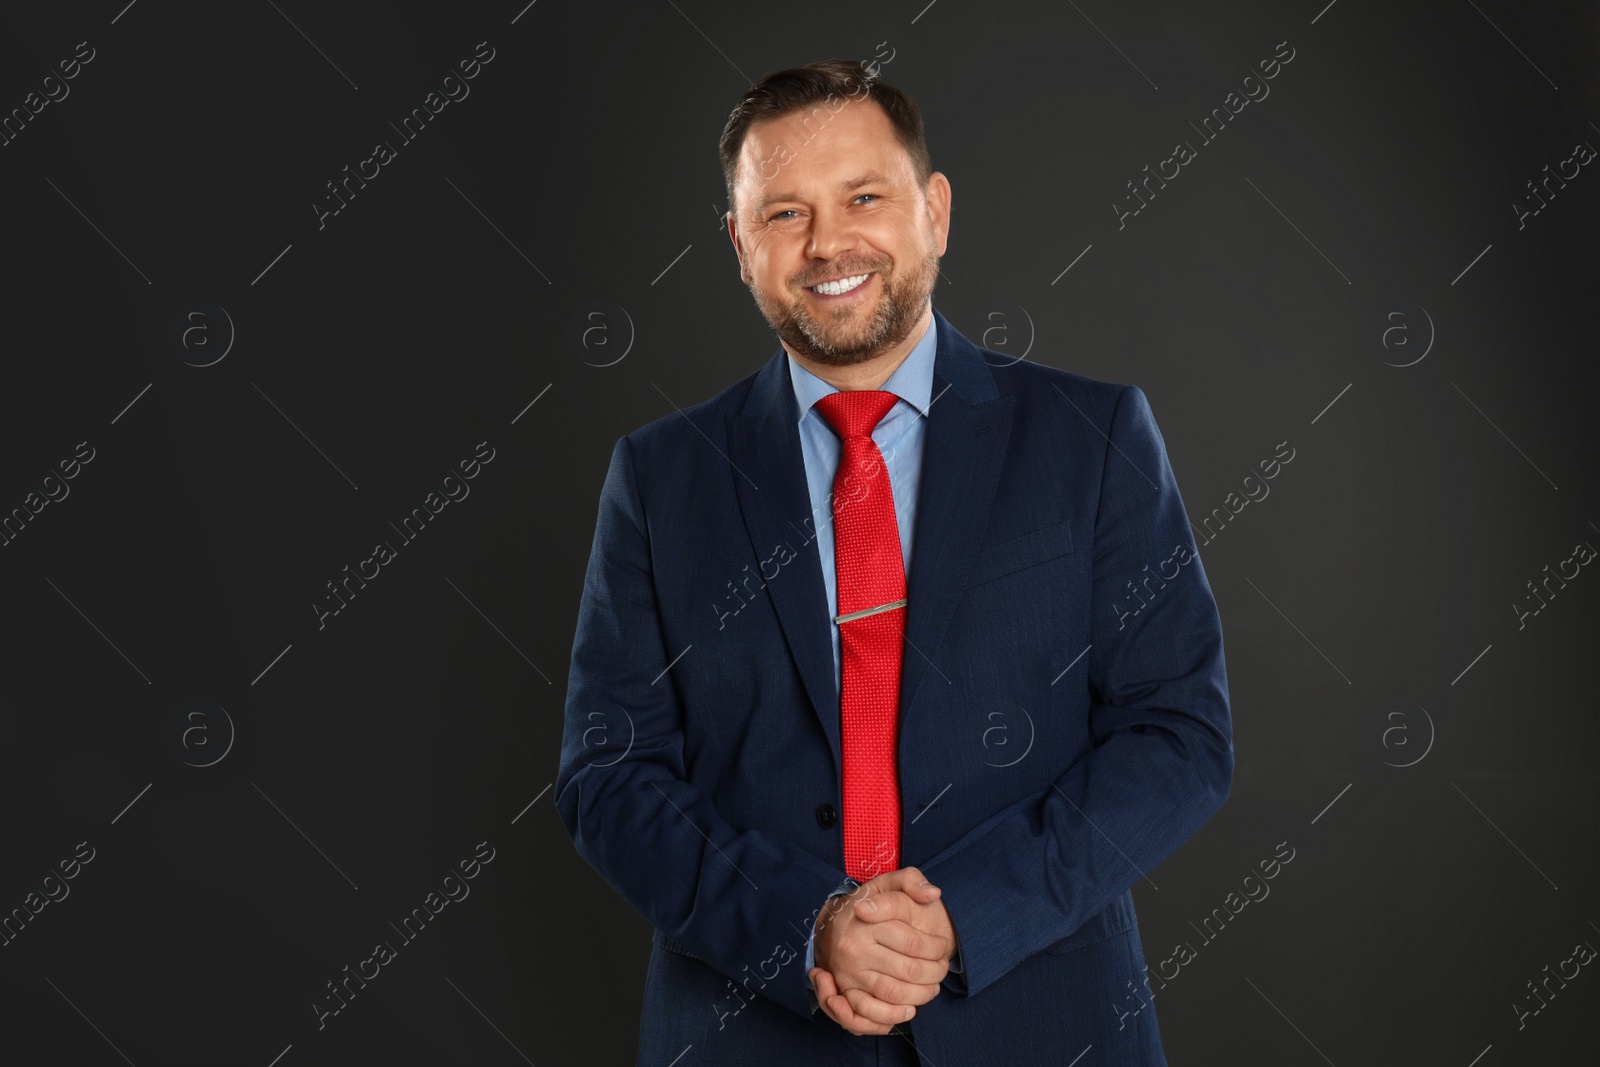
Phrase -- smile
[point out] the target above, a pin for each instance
(842, 286)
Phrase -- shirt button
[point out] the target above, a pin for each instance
(827, 816)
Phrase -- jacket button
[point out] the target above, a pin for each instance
(827, 816)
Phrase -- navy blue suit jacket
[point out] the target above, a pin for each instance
(1064, 720)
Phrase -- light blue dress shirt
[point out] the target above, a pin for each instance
(899, 436)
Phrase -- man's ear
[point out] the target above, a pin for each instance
(938, 196)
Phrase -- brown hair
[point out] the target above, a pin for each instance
(809, 87)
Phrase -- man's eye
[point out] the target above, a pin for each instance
(778, 216)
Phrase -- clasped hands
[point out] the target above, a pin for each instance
(881, 950)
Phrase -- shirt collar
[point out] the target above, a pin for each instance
(912, 380)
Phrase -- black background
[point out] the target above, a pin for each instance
(1368, 601)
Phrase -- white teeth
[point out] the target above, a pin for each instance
(839, 287)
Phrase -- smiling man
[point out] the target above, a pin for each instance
(885, 801)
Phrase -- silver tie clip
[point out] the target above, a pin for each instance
(864, 612)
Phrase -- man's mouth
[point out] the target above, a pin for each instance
(841, 286)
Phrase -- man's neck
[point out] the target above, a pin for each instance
(872, 373)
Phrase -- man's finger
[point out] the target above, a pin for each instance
(822, 982)
(837, 1007)
(871, 992)
(910, 954)
(841, 1013)
(818, 976)
(872, 1009)
(908, 881)
(893, 959)
(889, 907)
(903, 880)
(887, 904)
(896, 991)
(893, 979)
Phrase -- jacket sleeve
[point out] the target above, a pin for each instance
(1162, 756)
(741, 900)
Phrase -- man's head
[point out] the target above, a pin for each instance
(829, 178)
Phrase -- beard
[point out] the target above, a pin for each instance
(850, 334)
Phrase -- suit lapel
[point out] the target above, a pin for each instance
(968, 427)
(764, 443)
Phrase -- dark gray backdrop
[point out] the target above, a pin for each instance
(266, 791)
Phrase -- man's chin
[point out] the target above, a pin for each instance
(837, 346)
(837, 353)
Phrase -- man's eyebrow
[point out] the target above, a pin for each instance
(871, 177)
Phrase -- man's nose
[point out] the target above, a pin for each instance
(832, 232)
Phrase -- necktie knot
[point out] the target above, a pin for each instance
(856, 412)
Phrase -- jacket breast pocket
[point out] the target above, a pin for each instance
(1019, 553)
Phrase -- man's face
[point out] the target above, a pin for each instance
(842, 204)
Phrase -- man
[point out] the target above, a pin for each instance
(918, 844)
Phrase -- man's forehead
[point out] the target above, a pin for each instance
(790, 156)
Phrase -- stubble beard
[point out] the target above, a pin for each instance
(838, 341)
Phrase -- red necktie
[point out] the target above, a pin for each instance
(872, 610)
